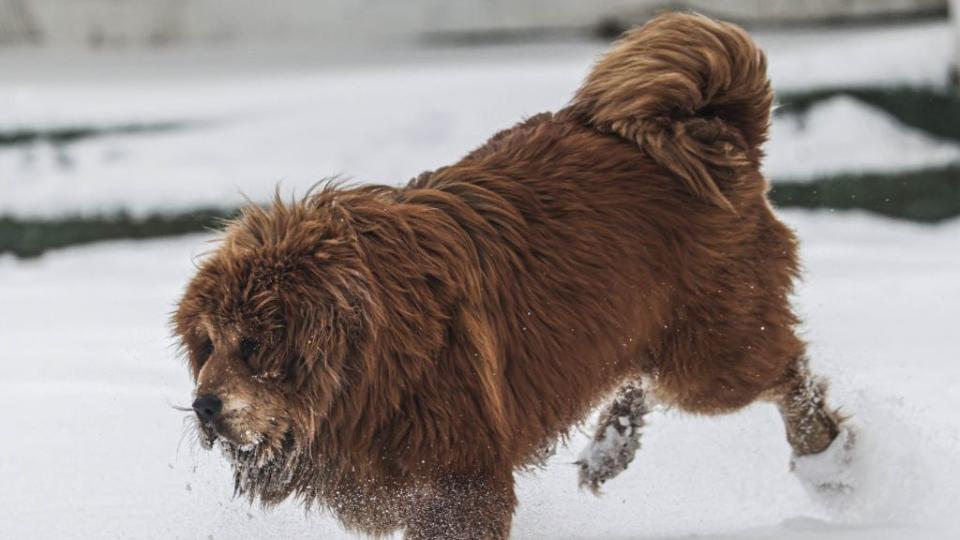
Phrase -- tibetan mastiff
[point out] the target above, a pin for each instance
(394, 354)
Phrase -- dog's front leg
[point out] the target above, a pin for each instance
(465, 507)
(617, 437)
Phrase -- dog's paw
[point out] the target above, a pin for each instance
(831, 471)
(608, 454)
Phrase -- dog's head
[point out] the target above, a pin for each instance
(268, 324)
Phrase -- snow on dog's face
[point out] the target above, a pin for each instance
(268, 324)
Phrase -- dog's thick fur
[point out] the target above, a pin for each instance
(394, 354)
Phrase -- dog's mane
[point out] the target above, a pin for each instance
(421, 257)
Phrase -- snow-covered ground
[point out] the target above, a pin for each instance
(92, 448)
(255, 118)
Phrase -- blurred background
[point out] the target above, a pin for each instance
(129, 127)
(137, 118)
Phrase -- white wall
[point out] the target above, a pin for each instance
(123, 23)
(955, 17)
(789, 10)
(17, 24)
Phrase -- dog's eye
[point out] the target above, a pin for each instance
(205, 350)
(248, 348)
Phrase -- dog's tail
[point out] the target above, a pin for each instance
(693, 93)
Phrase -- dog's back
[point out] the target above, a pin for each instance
(629, 233)
(626, 236)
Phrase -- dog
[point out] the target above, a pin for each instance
(394, 354)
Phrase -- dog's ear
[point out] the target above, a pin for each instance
(326, 330)
(188, 326)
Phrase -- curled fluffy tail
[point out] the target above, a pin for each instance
(693, 93)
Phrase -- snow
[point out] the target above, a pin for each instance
(92, 447)
(834, 471)
(380, 126)
(914, 54)
(253, 118)
(843, 135)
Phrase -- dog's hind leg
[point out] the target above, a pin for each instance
(810, 423)
(616, 438)
(822, 442)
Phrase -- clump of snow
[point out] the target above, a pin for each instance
(843, 135)
(887, 470)
(829, 471)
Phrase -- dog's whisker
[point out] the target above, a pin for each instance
(187, 430)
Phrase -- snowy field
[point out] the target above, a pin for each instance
(93, 449)
(253, 119)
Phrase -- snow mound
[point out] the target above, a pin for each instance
(845, 136)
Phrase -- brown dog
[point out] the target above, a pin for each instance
(394, 354)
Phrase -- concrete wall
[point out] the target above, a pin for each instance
(125, 23)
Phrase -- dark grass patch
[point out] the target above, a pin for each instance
(68, 135)
(927, 196)
(932, 110)
(32, 237)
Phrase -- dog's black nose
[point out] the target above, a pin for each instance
(207, 407)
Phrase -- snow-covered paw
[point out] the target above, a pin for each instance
(608, 454)
(830, 471)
